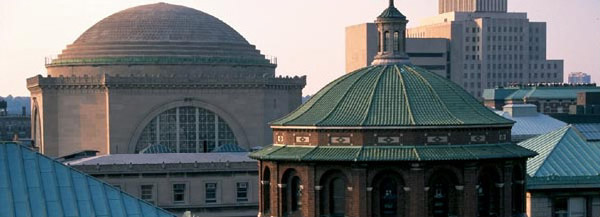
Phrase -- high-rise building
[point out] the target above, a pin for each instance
(579, 78)
(489, 46)
(472, 6)
(486, 47)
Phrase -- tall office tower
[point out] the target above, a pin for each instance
(579, 78)
(472, 6)
(490, 47)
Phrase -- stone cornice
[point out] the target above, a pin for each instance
(223, 81)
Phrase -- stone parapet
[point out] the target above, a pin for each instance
(249, 167)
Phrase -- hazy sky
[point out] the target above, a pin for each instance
(307, 36)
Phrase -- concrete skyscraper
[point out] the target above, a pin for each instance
(486, 46)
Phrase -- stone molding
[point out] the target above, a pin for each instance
(223, 81)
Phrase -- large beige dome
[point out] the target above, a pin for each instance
(160, 22)
(160, 34)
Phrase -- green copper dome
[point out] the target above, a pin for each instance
(391, 96)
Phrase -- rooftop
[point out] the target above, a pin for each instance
(32, 184)
(391, 153)
(528, 126)
(565, 154)
(164, 158)
(540, 92)
(391, 96)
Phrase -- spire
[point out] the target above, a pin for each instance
(391, 27)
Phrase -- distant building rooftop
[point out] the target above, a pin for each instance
(32, 184)
(528, 122)
(540, 91)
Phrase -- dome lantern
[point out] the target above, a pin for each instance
(391, 28)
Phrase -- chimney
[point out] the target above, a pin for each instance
(520, 110)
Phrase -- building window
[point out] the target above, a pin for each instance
(210, 195)
(296, 193)
(178, 193)
(242, 191)
(396, 41)
(147, 193)
(186, 130)
(266, 191)
(488, 194)
(386, 41)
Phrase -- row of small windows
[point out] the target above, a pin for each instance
(501, 29)
(510, 66)
(501, 47)
(510, 75)
(180, 192)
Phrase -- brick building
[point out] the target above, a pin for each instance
(392, 139)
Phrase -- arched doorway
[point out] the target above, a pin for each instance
(518, 190)
(332, 197)
(388, 198)
(488, 193)
(291, 194)
(442, 196)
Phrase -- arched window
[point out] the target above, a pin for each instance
(488, 194)
(386, 41)
(337, 197)
(442, 195)
(186, 130)
(379, 48)
(518, 191)
(396, 41)
(266, 191)
(296, 194)
(388, 197)
(332, 199)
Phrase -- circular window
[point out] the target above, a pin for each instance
(186, 130)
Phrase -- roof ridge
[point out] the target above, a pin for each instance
(370, 105)
(337, 104)
(453, 88)
(434, 93)
(410, 114)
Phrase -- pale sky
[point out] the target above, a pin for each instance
(306, 36)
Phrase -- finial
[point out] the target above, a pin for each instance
(391, 3)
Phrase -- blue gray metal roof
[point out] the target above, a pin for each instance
(526, 127)
(564, 154)
(32, 184)
(591, 132)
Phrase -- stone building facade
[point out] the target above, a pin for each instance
(206, 184)
(390, 140)
(158, 74)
